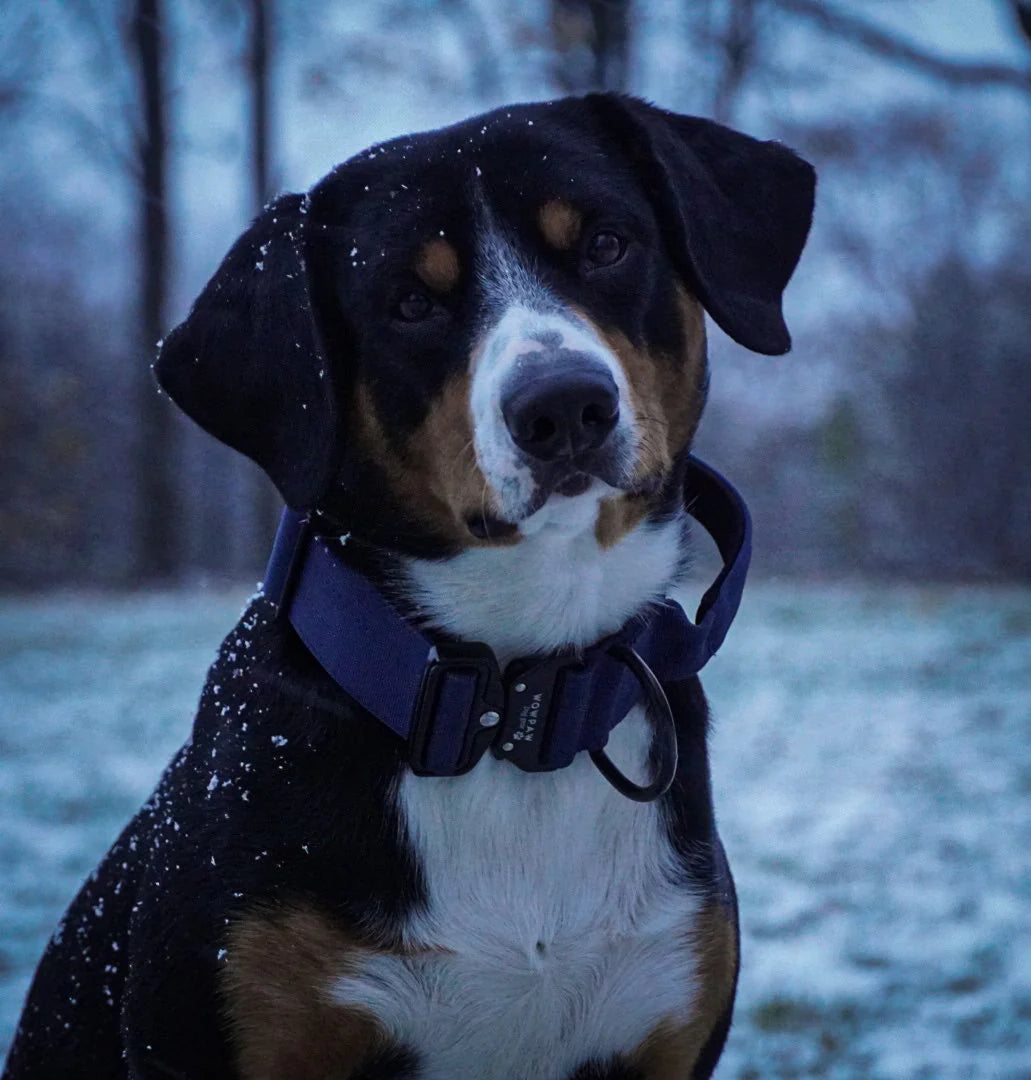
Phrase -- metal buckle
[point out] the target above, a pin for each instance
(468, 659)
(528, 713)
(513, 715)
(664, 742)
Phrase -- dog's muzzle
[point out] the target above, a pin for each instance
(561, 409)
(560, 404)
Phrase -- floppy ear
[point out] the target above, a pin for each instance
(738, 212)
(249, 362)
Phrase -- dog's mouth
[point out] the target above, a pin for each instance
(486, 526)
(567, 482)
(575, 484)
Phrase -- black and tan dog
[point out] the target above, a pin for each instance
(478, 357)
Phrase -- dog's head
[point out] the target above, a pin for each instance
(458, 326)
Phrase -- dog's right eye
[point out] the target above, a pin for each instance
(413, 307)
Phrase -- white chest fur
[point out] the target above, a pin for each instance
(554, 931)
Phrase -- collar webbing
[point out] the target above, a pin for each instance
(450, 700)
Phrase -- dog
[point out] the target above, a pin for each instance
(473, 362)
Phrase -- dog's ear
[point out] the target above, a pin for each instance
(249, 363)
(737, 211)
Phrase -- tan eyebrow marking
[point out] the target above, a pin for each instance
(560, 223)
(437, 264)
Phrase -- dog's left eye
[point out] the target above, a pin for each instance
(605, 248)
(413, 307)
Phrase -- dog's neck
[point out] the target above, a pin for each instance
(557, 587)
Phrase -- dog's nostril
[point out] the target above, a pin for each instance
(562, 410)
(542, 429)
(598, 416)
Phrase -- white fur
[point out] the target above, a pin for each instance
(554, 929)
(555, 587)
(526, 308)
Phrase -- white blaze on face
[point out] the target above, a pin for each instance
(528, 319)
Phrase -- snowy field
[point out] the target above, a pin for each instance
(872, 763)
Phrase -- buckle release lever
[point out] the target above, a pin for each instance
(465, 705)
(529, 711)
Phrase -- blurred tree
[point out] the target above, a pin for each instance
(258, 70)
(591, 39)
(956, 394)
(737, 52)
(468, 18)
(920, 191)
(1022, 10)
(264, 500)
(67, 436)
(829, 18)
(157, 495)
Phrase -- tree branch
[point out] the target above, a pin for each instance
(883, 43)
(1022, 11)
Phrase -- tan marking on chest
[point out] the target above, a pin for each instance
(672, 1049)
(559, 223)
(438, 266)
(273, 988)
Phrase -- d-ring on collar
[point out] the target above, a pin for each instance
(450, 700)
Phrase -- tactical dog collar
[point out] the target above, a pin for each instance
(450, 700)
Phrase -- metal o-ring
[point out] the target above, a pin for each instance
(663, 729)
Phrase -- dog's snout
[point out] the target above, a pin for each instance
(560, 403)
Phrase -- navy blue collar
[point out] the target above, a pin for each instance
(450, 701)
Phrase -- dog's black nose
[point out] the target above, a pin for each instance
(560, 407)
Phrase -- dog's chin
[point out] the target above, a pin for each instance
(561, 498)
(574, 485)
(564, 490)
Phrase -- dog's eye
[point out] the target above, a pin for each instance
(413, 307)
(605, 248)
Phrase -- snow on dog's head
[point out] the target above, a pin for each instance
(459, 329)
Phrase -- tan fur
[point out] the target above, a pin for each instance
(673, 1048)
(435, 475)
(559, 223)
(275, 984)
(437, 265)
(667, 396)
(618, 516)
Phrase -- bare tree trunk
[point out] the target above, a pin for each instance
(592, 44)
(611, 42)
(1022, 11)
(738, 54)
(258, 68)
(156, 495)
(262, 500)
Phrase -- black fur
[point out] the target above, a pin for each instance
(267, 359)
(292, 808)
(289, 803)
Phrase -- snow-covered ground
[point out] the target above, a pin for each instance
(872, 760)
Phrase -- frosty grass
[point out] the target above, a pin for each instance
(872, 770)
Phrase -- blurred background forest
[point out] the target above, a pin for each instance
(140, 136)
(870, 751)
